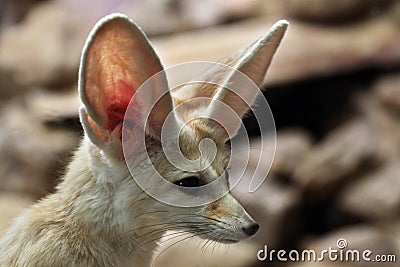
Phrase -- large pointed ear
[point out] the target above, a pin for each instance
(116, 60)
(253, 61)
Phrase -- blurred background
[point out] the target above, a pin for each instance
(333, 87)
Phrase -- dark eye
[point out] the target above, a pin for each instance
(192, 181)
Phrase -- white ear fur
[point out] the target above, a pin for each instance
(84, 118)
(253, 62)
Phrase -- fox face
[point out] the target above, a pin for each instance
(167, 144)
(222, 220)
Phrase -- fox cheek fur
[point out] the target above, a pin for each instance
(98, 215)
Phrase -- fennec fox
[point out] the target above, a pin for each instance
(99, 215)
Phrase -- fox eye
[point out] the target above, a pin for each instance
(191, 181)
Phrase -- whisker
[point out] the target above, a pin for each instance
(158, 224)
(150, 234)
(174, 226)
(213, 219)
(177, 234)
(175, 243)
(191, 224)
(150, 212)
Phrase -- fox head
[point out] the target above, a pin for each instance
(127, 103)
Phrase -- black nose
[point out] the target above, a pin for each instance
(251, 229)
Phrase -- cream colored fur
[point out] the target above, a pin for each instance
(98, 215)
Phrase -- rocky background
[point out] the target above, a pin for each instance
(334, 90)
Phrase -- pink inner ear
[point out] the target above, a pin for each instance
(118, 60)
(117, 100)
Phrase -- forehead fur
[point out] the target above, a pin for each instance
(197, 130)
(190, 138)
